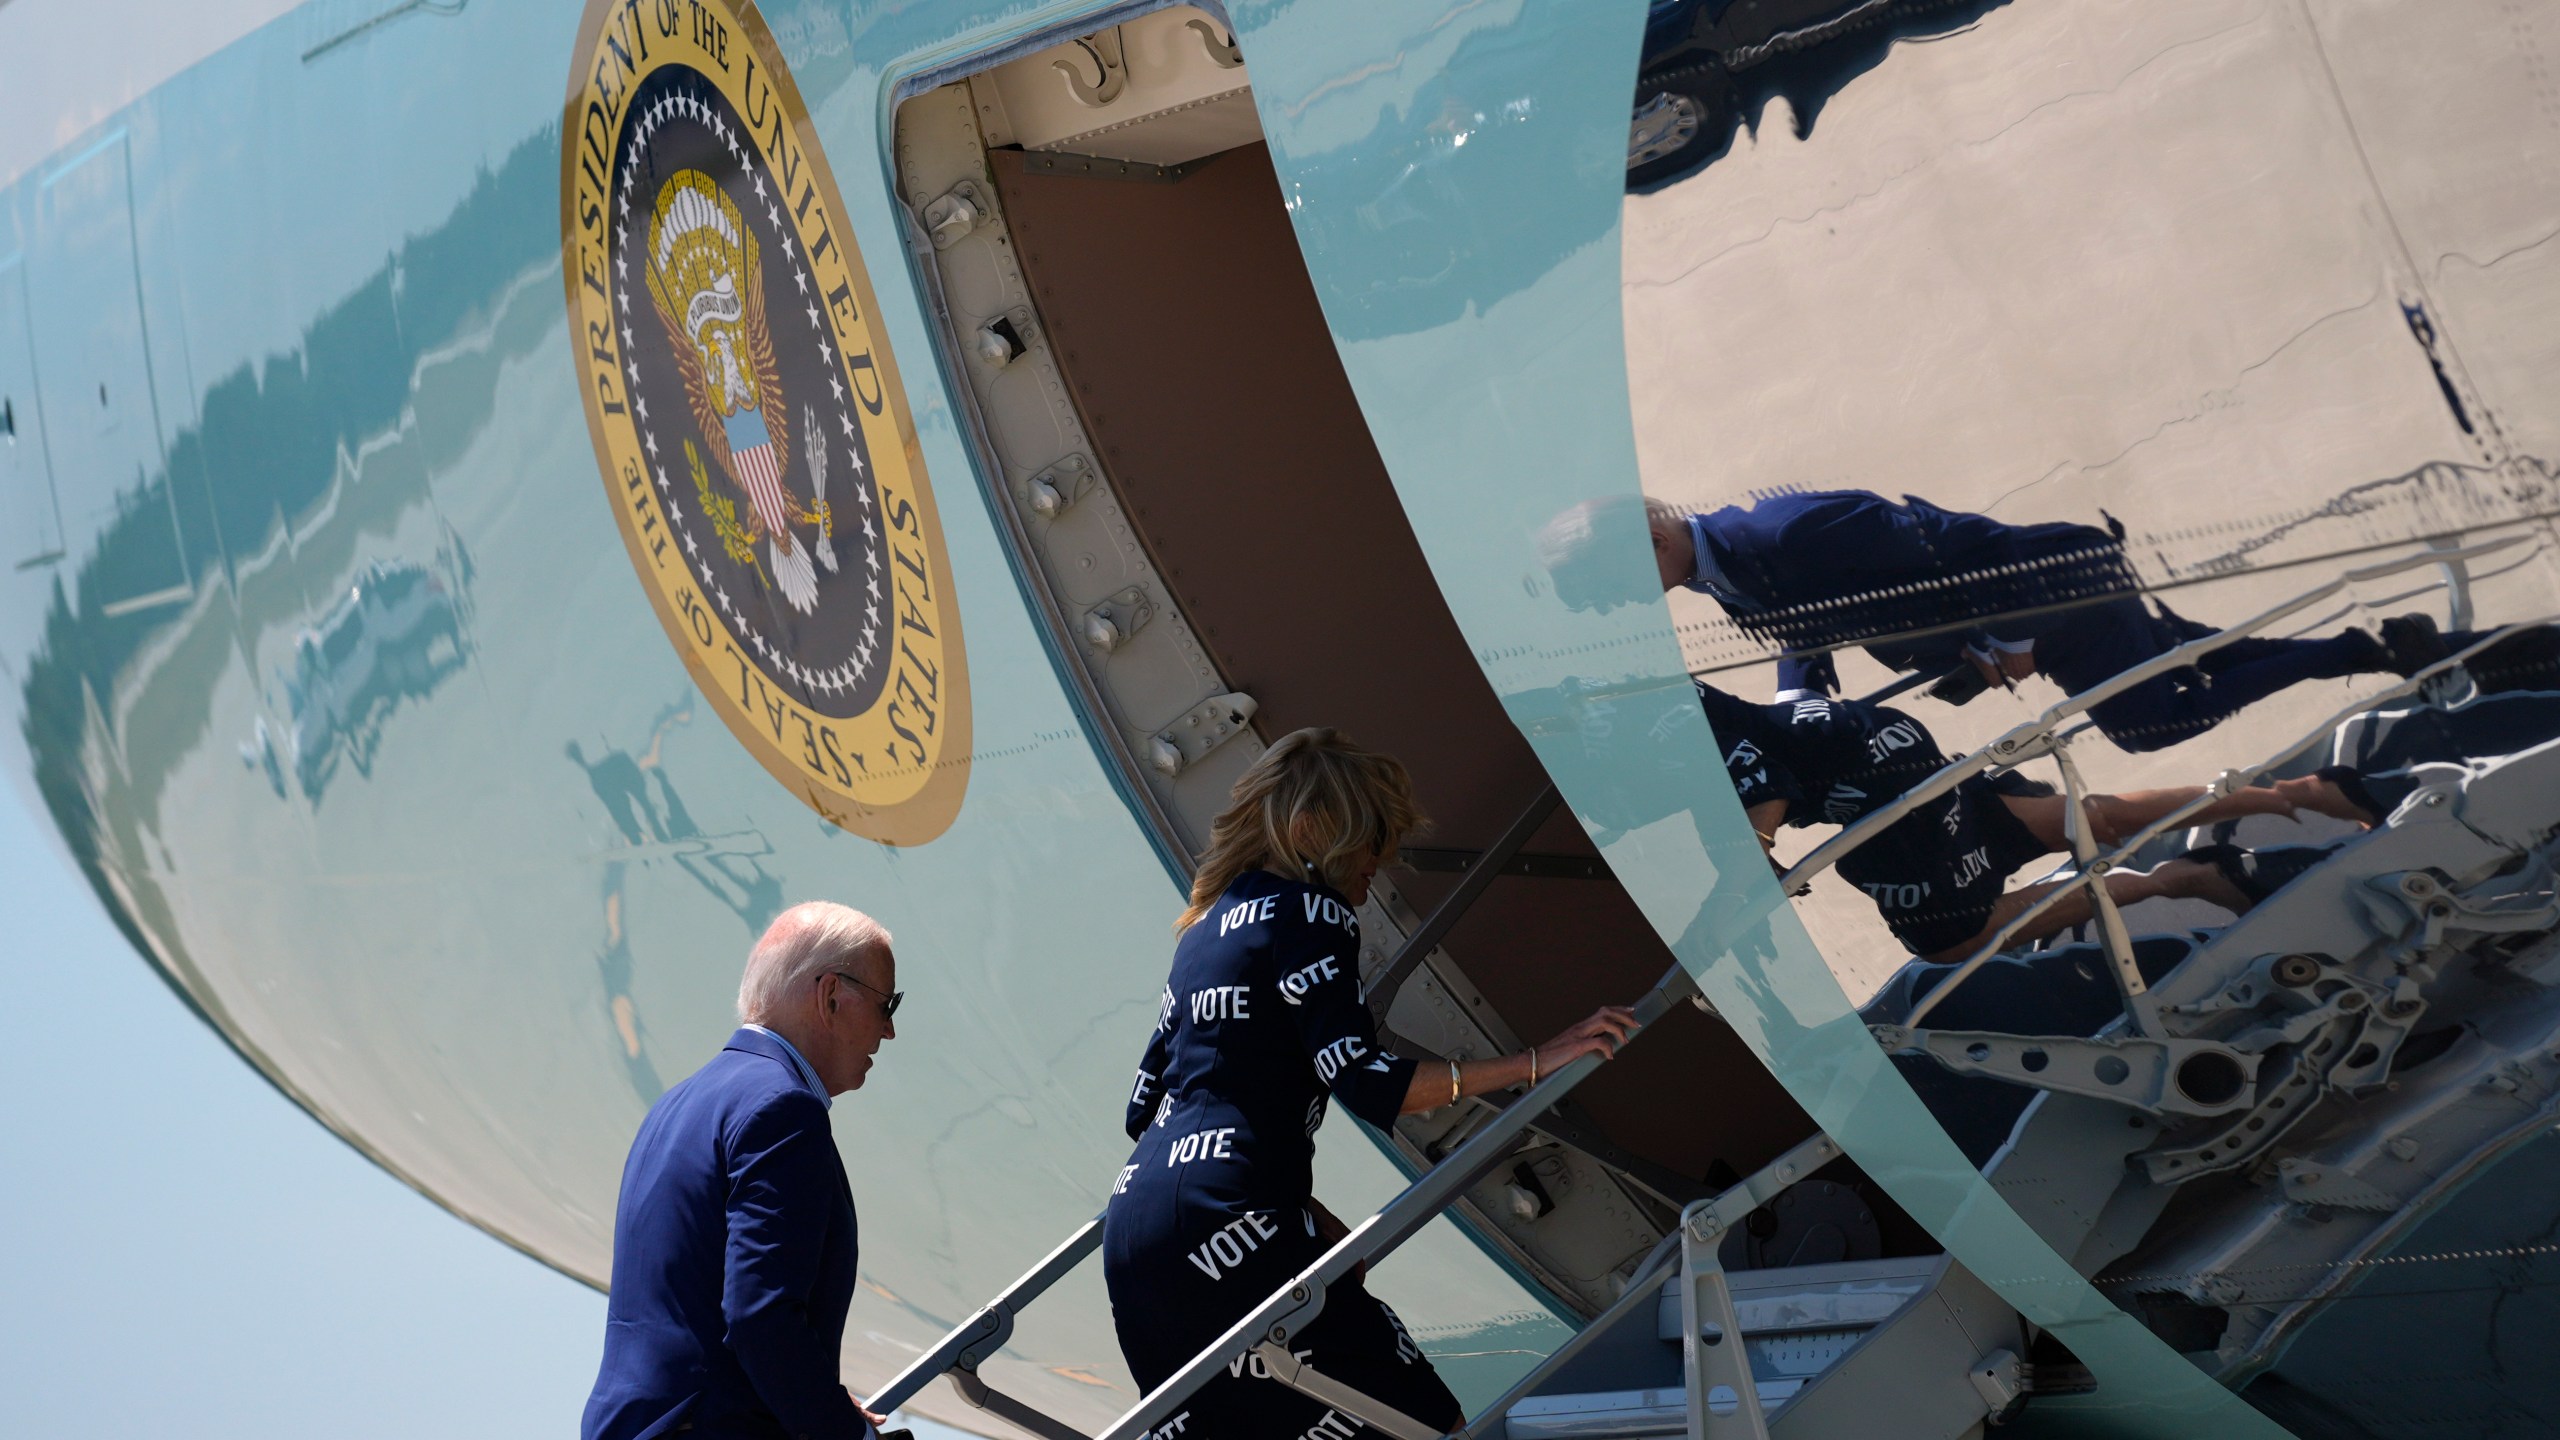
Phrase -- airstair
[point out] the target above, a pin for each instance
(1913, 1345)
(2232, 1049)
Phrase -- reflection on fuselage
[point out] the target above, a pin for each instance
(2215, 316)
(1709, 65)
(641, 799)
(275, 508)
(2264, 283)
(396, 637)
(2250, 400)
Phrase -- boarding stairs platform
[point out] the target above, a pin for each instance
(1908, 1346)
(1911, 1346)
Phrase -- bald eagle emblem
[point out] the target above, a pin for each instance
(706, 281)
(755, 443)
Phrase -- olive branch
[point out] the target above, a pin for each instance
(723, 512)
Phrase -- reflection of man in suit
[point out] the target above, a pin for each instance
(735, 877)
(1922, 588)
(734, 1243)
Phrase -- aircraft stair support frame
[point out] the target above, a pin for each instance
(1712, 1355)
(2045, 736)
(1713, 1366)
(2098, 866)
(2034, 738)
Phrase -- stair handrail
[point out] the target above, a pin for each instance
(986, 1331)
(2096, 869)
(1289, 1309)
(2032, 738)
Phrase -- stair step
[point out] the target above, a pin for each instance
(1627, 1414)
(1797, 1323)
(1848, 1295)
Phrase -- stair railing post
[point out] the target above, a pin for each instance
(1712, 1352)
(1713, 1355)
(1282, 1364)
(2078, 828)
(2227, 783)
(2025, 741)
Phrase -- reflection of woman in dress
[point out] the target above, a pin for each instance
(1260, 1024)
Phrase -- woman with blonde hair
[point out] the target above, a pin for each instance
(1260, 1025)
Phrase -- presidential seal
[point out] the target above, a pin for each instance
(747, 417)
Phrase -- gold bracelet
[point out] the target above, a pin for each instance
(1453, 1082)
(1533, 1067)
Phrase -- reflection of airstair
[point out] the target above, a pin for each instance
(2370, 1037)
(1918, 1345)
(1688, 1347)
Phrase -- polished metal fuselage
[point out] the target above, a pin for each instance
(327, 667)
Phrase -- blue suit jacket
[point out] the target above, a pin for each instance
(733, 1263)
(1834, 567)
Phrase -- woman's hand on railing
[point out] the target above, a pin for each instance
(1607, 1028)
(1443, 1082)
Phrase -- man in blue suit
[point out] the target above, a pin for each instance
(1951, 593)
(734, 1242)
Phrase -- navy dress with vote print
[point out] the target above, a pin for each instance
(1936, 873)
(1260, 1027)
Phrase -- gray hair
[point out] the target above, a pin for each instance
(1566, 544)
(803, 943)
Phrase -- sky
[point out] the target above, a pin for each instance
(184, 1252)
(98, 56)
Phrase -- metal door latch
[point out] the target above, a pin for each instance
(1050, 492)
(950, 219)
(1209, 724)
(1109, 625)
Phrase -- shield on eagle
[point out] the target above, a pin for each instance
(705, 273)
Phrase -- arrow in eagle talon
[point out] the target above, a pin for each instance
(814, 440)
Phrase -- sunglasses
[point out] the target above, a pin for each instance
(890, 1000)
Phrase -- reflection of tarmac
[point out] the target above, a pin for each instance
(2180, 261)
(2256, 280)
(659, 823)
